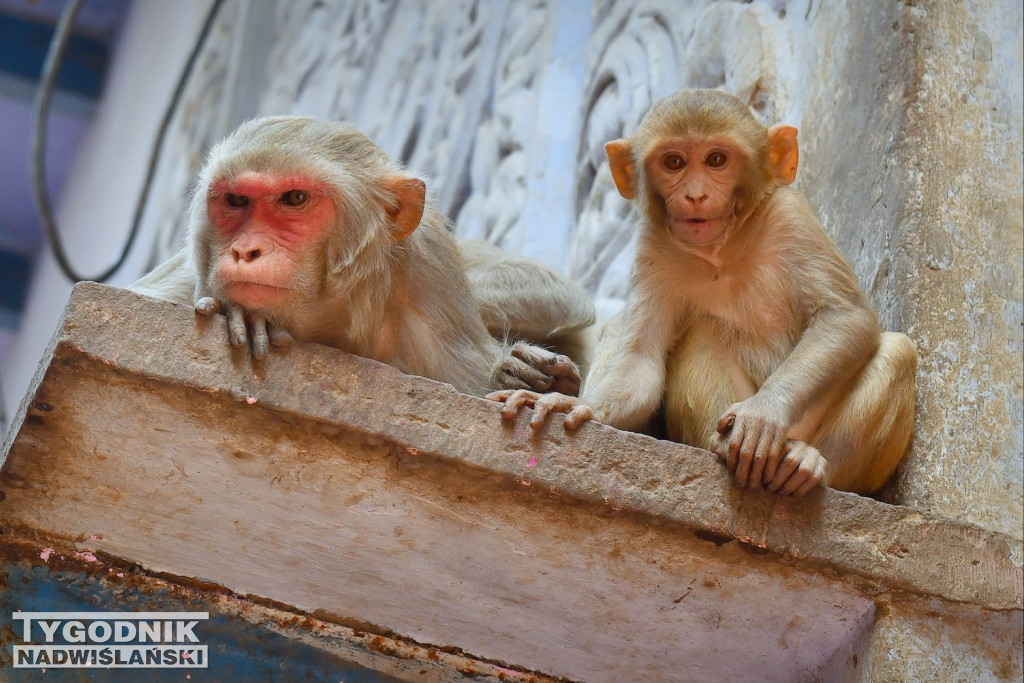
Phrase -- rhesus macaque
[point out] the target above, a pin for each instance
(304, 229)
(744, 323)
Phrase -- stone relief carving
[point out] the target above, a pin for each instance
(449, 93)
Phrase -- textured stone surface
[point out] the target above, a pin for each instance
(330, 482)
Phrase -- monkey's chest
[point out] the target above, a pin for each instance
(749, 311)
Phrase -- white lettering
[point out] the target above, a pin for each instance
(149, 631)
(124, 631)
(74, 632)
(94, 631)
(49, 628)
(185, 631)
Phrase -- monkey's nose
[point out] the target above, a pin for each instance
(247, 255)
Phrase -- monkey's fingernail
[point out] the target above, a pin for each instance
(261, 352)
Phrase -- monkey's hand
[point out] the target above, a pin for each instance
(752, 441)
(242, 325)
(531, 367)
(576, 413)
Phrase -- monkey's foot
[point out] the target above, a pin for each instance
(532, 367)
(576, 413)
(242, 325)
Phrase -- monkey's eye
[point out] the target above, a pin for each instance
(716, 160)
(673, 162)
(236, 200)
(294, 198)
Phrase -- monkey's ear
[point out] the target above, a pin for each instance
(783, 153)
(406, 212)
(620, 160)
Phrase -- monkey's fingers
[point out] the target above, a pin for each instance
(518, 399)
(551, 403)
(500, 396)
(208, 306)
(517, 374)
(776, 450)
(802, 469)
(544, 370)
(236, 326)
(563, 374)
(786, 467)
(567, 377)
(260, 339)
(578, 415)
(767, 454)
(743, 441)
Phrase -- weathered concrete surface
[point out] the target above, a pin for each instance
(913, 137)
(964, 227)
(393, 500)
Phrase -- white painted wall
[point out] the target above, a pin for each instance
(95, 210)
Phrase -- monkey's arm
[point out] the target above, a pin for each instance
(626, 383)
(173, 280)
(836, 343)
(624, 387)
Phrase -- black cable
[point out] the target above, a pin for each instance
(51, 66)
(3, 413)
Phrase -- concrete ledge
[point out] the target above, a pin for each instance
(334, 484)
(898, 547)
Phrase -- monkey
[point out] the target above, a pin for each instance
(744, 324)
(302, 229)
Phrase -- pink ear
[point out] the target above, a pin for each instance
(410, 199)
(783, 153)
(620, 160)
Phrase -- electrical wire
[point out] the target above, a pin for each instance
(51, 67)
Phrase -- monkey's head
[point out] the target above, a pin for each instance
(699, 163)
(288, 210)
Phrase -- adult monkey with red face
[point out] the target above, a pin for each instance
(744, 322)
(300, 228)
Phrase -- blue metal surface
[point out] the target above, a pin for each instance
(23, 46)
(238, 649)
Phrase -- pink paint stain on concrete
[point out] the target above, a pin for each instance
(45, 555)
(508, 672)
(532, 463)
(87, 556)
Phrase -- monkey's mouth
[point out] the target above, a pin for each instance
(255, 295)
(697, 232)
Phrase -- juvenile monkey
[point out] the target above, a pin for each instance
(304, 229)
(744, 322)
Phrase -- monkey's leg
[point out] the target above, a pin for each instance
(702, 381)
(866, 432)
